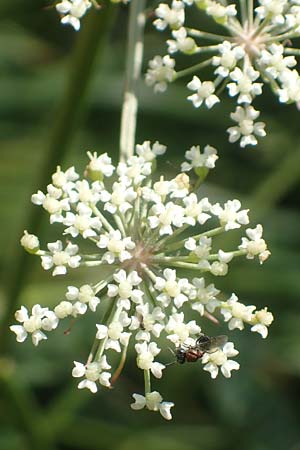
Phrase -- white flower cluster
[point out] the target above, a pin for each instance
(254, 49)
(137, 228)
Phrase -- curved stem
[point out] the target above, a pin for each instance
(133, 70)
(120, 367)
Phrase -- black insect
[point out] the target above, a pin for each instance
(204, 344)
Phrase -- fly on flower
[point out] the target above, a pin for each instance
(204, 344)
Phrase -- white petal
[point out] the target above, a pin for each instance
(140, 402)
(78, 370)
(21, 333)
(165, 408)
(156, 369)
(102, 331)
(91, 385)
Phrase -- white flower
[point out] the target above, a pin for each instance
(40, 319)
(204, 93)
(244, 86)
(60, 258)
(204, 296)
(153, 402)
(150, 322)
(117, 246)
(172, 290)
(182, 42)
(63, 309)
(202, 250)
(121, 198)
(64, 180)
(30, 242)
(197, 159)
(172, 17)
(262, 320)
(114, 334)
(148, 153)
(247, 129)
(230, 55)
(164, 216)
(93, 372)
(255, 245)
(82, 223)
(272, 9)
(89, 194)
(219, 359)
(178, 330)
(146, 353)
(99, 166)
(124, 288)
(52, 202)
(219, 12)
(275, 62)
(230, 216)
(236, 313)
(72, 11)
(160, 73)
(195, 210)
(290, 90)
(84, 295)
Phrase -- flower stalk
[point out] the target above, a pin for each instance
(135, 50)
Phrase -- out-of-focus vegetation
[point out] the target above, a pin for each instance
(60, 96)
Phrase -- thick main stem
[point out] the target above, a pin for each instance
(133, 70)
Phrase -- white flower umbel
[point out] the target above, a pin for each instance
(255, 48)
(151, 243)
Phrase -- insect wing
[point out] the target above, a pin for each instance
(211, 344)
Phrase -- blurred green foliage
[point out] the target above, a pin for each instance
(60, 96)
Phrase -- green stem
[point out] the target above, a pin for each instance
(235, 253)
(193, 69)
(281, 37)
(207, 49)
(184, 265)
(108, 318)
(250, 14)
(92, 37)
(203, 34)
(133, 71)
(149, 293)
(209, 233)
(120, 367)
(164, 241)
(104, 222)
(260, 28)
(243, 11)
(292, 51)
(147, 381)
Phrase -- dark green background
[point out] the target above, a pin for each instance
(60, 95)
